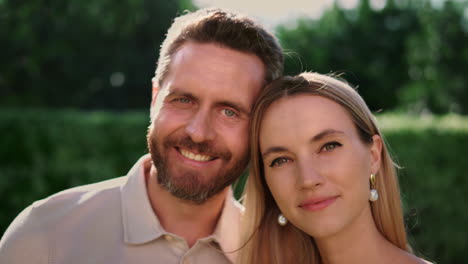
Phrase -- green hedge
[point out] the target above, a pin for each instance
(432, 153)
(42, 152)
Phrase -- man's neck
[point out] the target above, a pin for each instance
(183, 218)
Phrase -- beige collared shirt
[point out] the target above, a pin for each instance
(111, 222)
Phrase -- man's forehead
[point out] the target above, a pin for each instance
(214, 66)
(204, 54)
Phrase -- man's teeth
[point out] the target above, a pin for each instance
(194, 156)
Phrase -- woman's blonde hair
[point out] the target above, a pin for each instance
(264, 241)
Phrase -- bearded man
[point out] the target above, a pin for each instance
(175, 205)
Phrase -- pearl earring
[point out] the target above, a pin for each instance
(374, 195)
(282, 221)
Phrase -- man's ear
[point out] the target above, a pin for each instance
(376, 153)
(154, 91)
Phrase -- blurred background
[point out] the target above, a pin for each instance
(75, 80)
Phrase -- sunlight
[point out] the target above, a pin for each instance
(274, 13)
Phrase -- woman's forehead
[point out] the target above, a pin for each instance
(301, 116)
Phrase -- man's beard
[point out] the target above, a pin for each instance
(191, 186)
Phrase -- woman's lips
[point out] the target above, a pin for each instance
(319, 203)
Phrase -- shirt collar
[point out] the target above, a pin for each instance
(140, 224)
(227, 230)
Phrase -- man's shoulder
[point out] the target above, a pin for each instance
(73, 197)
(60, 212)
(64, 202)
(93, 188)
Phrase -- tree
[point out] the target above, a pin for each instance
(86, 54)
(408, 56)
(438, 59)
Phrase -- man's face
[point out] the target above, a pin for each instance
(198, 138)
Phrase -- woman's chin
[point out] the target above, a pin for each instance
(318, 231)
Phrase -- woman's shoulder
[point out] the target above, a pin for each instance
(406, 257)
(425, 261)
(412, 259)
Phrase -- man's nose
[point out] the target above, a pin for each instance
(308, 176)
(200, 127)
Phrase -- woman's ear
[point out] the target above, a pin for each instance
(376, 153)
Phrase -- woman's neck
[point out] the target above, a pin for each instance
(359, 242)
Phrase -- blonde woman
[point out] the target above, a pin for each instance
(322, 187)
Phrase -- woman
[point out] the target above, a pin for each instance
(322, 187)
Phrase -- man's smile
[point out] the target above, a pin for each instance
(194, 156)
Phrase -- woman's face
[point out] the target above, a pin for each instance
(316, 166)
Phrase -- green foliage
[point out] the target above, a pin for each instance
(431, 152)
(411, 56)
(102, 54)
(43, 152)
(437, 60)
(87, 53)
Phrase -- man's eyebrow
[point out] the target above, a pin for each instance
(325, 133)
(274, 149)
(176, 92)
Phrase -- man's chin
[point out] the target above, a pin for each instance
(195, 184)
(190, 187)
(187, 193)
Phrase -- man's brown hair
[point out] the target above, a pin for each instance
(225, 28)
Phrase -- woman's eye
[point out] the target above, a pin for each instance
(229, 112)
(278, 162)
(331, 146)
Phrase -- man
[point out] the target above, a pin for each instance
(175, 205)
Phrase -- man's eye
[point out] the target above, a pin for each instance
(229, 112)
(183, 100)
(279, 161)
(331, 146)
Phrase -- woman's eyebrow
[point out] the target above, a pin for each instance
(273, 149)
(318, 137)
(325, 133)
